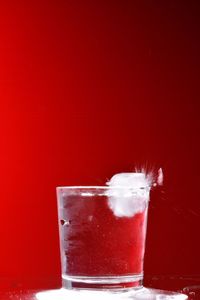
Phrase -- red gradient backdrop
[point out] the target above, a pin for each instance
(89, 89)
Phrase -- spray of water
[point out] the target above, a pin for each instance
(154, 177)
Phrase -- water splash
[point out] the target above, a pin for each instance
(153, 176)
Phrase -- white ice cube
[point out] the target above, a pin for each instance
(128, 194)
(133, 180)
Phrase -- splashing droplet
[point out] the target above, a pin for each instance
(160, 177)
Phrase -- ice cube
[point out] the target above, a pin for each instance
(128, 194)
(133, 180)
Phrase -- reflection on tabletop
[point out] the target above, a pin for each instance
(63, 294)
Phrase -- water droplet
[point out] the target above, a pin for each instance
(90, 218)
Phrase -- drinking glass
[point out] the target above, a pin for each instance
(102, 233)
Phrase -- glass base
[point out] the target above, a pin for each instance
(141, 294)
(102, 282)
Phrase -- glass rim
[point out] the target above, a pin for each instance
(101, 187)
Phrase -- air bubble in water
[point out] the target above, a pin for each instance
(65, 222)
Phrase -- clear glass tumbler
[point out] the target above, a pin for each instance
(102, 236)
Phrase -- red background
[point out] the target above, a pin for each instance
(89, 89)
